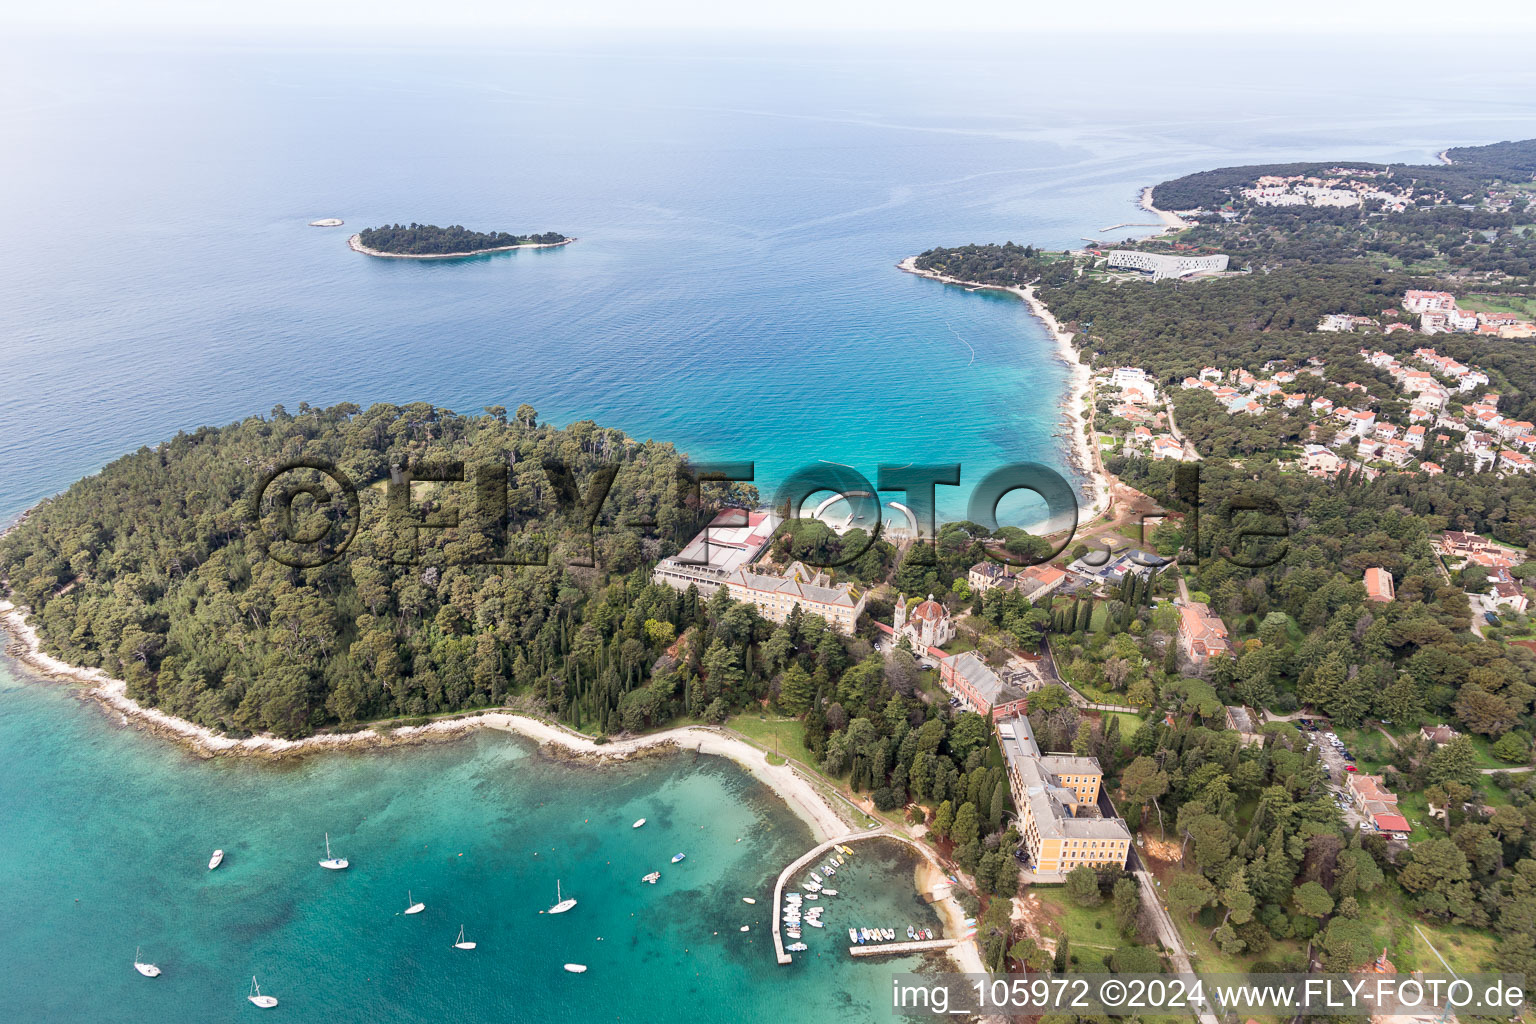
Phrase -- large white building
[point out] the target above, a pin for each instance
(1160, 265)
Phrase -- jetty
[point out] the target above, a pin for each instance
(802, 861)
(891, 948)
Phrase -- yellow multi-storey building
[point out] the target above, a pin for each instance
(1057, 799)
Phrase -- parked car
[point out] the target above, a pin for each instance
(1493, 620)
(1350, 768)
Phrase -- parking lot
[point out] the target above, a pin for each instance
(1335, 757)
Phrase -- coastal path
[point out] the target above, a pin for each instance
(802, 861)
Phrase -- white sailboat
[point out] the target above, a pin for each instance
(332, 863)
(216, 859)
(412, 906)
(265, 1002)
(561, 905)
(461, 944)
(638, 823)
(576, 968)
(148, 970)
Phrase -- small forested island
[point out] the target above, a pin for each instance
(428, 241)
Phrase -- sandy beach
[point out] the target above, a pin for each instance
(356, 244)
(1173, 221)
(1085, 449)
(931, 878)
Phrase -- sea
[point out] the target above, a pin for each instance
(741, 205)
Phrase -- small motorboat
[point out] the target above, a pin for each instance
(815, 922)
(638, 823)
(746, 927)
(148, 970)
(576, 968)
(815, 878)
(829, 892)
(853, 935)
(748, 899)
(813, 895)
(678, 857)
(798, 947)
(216, 859)
(411, 906)
(461, 944)
(911, 931)
(265, 1002)
(332, 863)
(653, 877)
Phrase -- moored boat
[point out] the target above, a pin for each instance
(265, 1002)
(332, 863)
(148, 970)
(461, 944)
(678, 857)
(411, 906)
(561, 905)
(638, 823)
(576, 968)
(216, 859)
(652, 877)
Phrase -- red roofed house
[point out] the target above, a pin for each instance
(1378, 585)
(1039, 580)
(1202, 635)
(1377, 804)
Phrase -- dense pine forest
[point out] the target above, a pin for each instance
(155, 570)
(431, 240)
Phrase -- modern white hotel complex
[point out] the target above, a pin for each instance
(1161, 266)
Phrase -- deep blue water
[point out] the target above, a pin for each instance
(740, 209)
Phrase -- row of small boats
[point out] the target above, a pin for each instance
(863, 935)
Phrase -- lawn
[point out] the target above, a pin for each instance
(1484, 303)
(1129, 724)
(1396, 928)
(764, 731)
(964, 640)
(1091, 931)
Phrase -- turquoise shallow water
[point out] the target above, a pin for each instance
(108, 832)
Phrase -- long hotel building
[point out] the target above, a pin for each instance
(1057, 799)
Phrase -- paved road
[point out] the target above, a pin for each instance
(1168, 933)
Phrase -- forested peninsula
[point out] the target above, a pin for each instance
(428, 241)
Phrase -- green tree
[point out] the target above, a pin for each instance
(1083, 886)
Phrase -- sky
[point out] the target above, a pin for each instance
(1495, 18)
